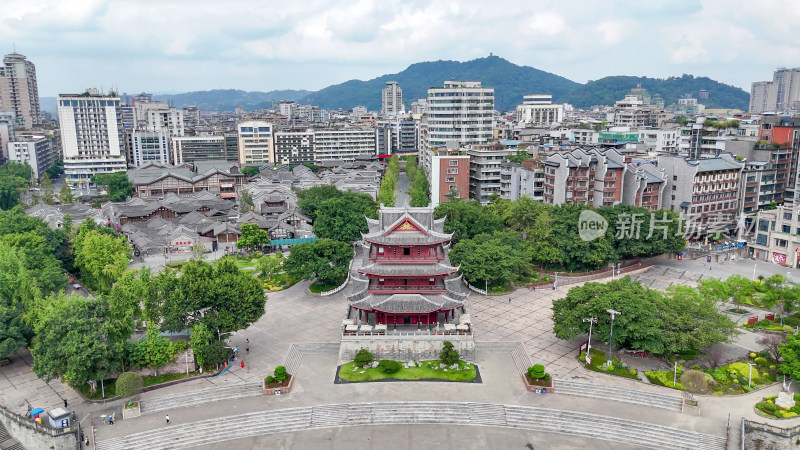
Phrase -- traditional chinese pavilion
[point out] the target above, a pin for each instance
(406, 277)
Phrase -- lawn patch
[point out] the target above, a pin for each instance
(426, 370)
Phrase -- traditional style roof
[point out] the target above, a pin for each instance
(406, 225)
(407, 303)
(407, 269)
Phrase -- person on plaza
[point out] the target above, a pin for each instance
(65, 403)
(242, 364)
(167, 418)
(111, 419)
(247, 345)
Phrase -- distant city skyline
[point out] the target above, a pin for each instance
(201, 45)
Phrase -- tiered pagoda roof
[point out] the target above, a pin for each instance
(406, 225)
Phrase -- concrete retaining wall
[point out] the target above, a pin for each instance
(33, 436)
(405, 348)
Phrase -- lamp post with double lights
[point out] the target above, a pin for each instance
(592, 321)
(611, 335)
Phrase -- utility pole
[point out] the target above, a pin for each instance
(592, 321)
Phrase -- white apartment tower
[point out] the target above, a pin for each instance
(90, 135)
(539, 110)
(392, 100)
(18, 90)
(459, 111)
(780, 94)
(255, 143)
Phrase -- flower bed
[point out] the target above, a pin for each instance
(598, 364)
(725, 380)
(772, 325)
(768, 408)
(424, 370)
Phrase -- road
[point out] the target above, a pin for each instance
(402, 190)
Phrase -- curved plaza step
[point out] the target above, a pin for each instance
(528, 418)
(620, 394)
(200, 396)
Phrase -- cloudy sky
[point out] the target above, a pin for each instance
(163, 45)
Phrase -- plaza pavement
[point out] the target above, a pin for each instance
(294, 316)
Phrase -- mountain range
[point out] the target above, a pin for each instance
(510, 82)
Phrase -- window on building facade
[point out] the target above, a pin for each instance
(452, 171)
(786, 229)
(453, 163)
(761, 239)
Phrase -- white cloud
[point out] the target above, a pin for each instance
(180, 44)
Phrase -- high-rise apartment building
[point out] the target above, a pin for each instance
(91, 135)
(344, 144)
(6, 133)
(780, 94)
(460, 111)
(294, 146)
(539, 110)
(18, 90)
(35, 150)
(149, 147)
(200, 148)
(392, 100)
(255, 143)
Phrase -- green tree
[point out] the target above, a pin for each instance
(363, 357)
(533, 220)
(101, 258)
(280, 374)
(420, 189)
(718, 291)
(495, 258)
(343, 218)
(252, 236)
(48, 192)
(576, 253)
(325, 259)
(245, 201)
(71, 341)
(386, 192)
(269, 265)
(691, 322)
(11, 187)
(638, 327)
(449, 355)
(154, 352)
(37, 256)
(65, 194)
(250, 171)
(216, 353)
(128, 384)
(17, 291)
(467, 219)
(201, 337)
(237, 298)
(790, 355)
(117, 185)
(309, 200)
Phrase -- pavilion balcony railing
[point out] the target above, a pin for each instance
(375, 289)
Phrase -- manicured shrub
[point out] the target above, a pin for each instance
(547, 377)
(363, 357)
(720, 377)
(769, 407)
(536, 371)
(129, 384)
(449, 354)
(762, 362)
(280, 373)
(388, 366)
(633, 372)
(180, 346)
(610, 367)
(270, 379)
(752, 354)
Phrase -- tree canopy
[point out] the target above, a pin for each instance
(117, 185)
(325, 259)
(496, 258)
(677, 321)
(100, 254)
(14, 178)
(343, 218)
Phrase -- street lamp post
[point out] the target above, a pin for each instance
(754, 271)
(611, 335)
(750, 377)
(592, 321)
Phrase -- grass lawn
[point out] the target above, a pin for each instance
(246, 263)
(318, 287)
(598, 365)
(347, 373)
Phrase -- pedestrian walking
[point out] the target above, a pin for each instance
(247, 345)
(111, 420)
(242, 364)
(74, 416)
(167, 418)
(65, 403)
(509, 299)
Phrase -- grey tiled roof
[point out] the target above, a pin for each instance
(410, 303)
(715, 164)
(407, 269)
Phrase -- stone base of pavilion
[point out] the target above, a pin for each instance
(408, 346)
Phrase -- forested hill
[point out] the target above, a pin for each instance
(606, 91)
(510, 83)
(229, 99)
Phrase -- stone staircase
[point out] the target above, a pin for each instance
(7, 442)
(534, 419)
(201, 396)
(620, 394)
